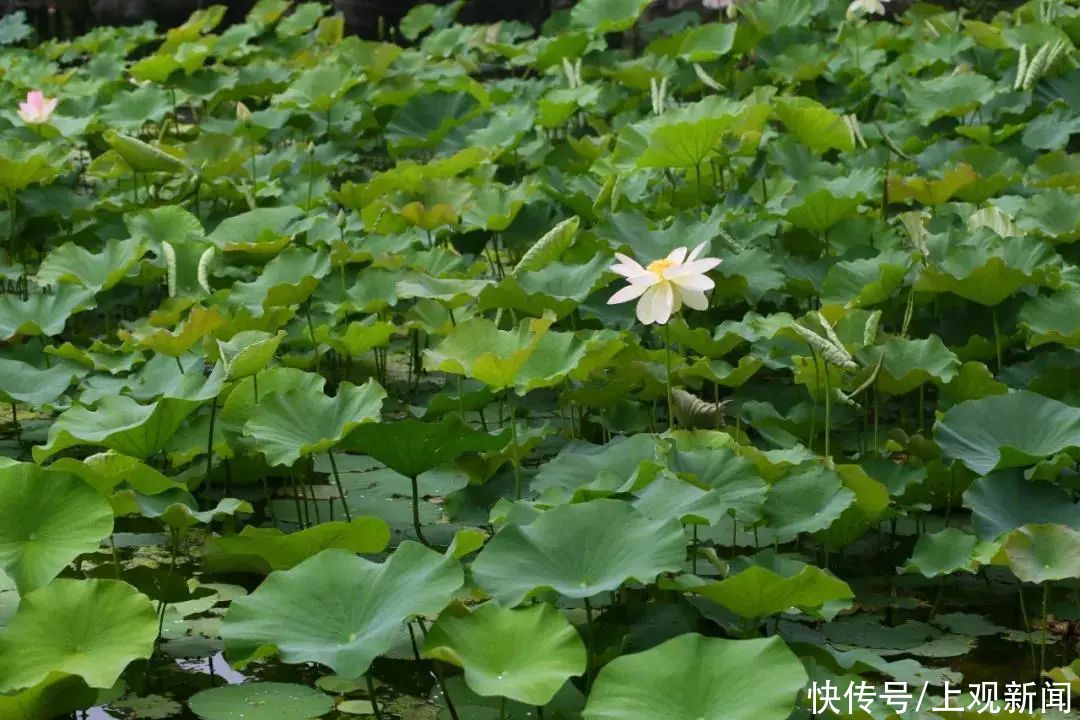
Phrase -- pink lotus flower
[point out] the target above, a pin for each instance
(37, 108)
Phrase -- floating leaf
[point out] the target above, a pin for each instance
(261, 701)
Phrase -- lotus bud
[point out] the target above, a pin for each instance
(242, 113)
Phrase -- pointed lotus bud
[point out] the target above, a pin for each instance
(242, 113)
(341, 219)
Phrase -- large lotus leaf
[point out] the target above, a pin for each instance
(288, 426)
(611, 466)
(807, 501)
(339, 610)
(264, 550)
(23, 383)
(1052, 319)
(1050, 213)
(427, 118)
(71, 263)
(773, 587)
(261, 700)
(866, 281)
(478, 349)
(42, 314)
(241, 402)
(669, 496)
(951, 94)
(261, 231)
(248, 352)
(178, 509)
(47, 519)
(141, 156)
(948, 551)
(22, 166)
(557, 287)
(1003, 431)
(871, 502)
(987, 275)
(1044, 553)
(818, 205)
(200, 323)
(685, 138)
(909, 363)
(118, 423)
(692, 677)
(288, 279)
(320, 87)
(1003, 501)
(733, 479)
(411, 447)
(107, 471)
(814, 125)
(89, 628)
(58, 695)
(932, 192)
(606, 16)
(578, 551)
(169, 223)
(524, 655)
(357, 338)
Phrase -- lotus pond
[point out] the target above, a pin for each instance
(713, 364)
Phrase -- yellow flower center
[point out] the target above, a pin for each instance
(659, 266)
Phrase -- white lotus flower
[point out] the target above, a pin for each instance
(664, 286)
(870, 7)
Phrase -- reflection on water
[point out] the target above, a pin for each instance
(215, 665)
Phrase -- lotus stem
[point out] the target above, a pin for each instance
(1027, 626)
(341, 491)
(1042, 647)
(311, 330)
(828, 410)
(417, 528)
(502, 709)
(210, 447)
(255, 385)
(997, 337)
(667, 363)
(590, 665)
(115, 556)
(371, 695)
(515, 460)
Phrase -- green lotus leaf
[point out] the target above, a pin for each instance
(871, 502)
(557, 288)
(818, 205)
(427, 118)
(261, 700)
(199, 323)
(865, 282)
(98, 356)
(692, 677)
(548, 248)
(119, 423)
(169, 223)
(813, 124)
(1048, 213)
(411, 447)
(478, 349)
(771, 586)
(1003, 431)
(320, 87)
(1052, 319)
(264, 550)
(685, 138)
(606, 16)
(88, 628)
(241, 401)
(23, 383)
(807, 501)
(670, 497)
(932, 191)
(71, 263)
(337, 609)
(524, 655)
(142, 156)
(288, 279)
(1043, 553)
(948, 551)
(264, 231)
(58, 695)
(302, 20)
(178, 509)
(248, 352)
(736, 483)
(22, 166)
(47, 519)
(358, 338)
(107, 471)
(290, 425)
(42, 314)
(986, 274)
(1004, 501)
(907, 363)
(578, 551)
(949, 95)
(608, 467)
(494, 207)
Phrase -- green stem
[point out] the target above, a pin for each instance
(210, 447)
(590, 665)
(1027, 627)
(1042, 648)
(115, 556)
(502, 709)
(371, 695)
(311, 330)
(337, 481)
(255, 386)
(417, 528)
(997, 338)
(667, 363)
(515, 459)
(828, 410)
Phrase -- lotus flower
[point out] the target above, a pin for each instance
(663, 286)
(870, 7)
(37, 108)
